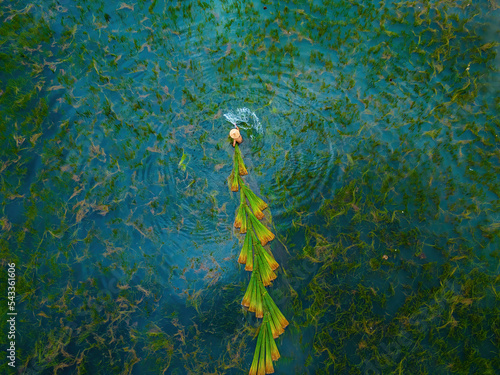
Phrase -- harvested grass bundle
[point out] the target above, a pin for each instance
(264, 253)
(275, 354)
(262, 264)
(246, 254)
(266, 273)
(256, 304)
(257, 204)
(263, 234)
(264, 352)
(277, 319)
(268, 351)
(233, 178)
(238, 160)
(256, 365)
(250, 257)
(241, 216)
(247, 298)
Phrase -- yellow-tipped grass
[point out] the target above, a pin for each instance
(250, 289)
(239, 159)
(241, 216)
(276, 312)
(246, 252)
(257, 204)
(249, 244)
(269, 358)
(264, 234)
(269, 362)
(244, 225)
(255, 292)
(265, 255)
(256, 302)
(255, 363)
(233, 179)
(274, 331)
(256, 211)
(252, 197)
(253, 297)
(278, 329)
(275, 354)
(278, 320)
(266, 273)
(262, 264)
(262, 353)
(255, 208)
(259, 309)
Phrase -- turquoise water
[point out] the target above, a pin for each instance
(376, 148)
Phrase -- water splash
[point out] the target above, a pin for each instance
(245, 119)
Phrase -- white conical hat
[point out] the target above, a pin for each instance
(235, 133)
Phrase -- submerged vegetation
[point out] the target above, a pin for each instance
(378, 156)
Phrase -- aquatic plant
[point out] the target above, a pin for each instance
(258, 260)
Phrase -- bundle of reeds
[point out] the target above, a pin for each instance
(262, 264)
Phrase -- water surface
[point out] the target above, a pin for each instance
(376, 148)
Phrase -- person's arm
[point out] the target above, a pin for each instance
(234, 142)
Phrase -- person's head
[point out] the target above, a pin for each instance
(235, 133)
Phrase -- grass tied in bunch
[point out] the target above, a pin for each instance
(258, 260)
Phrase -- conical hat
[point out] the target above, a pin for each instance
(235, 133)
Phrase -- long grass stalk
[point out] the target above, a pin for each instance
(255, 362)
(265, 254)
(250, 256)
(262, 355)
(263, 234)
(259, 310)
(266, 273)
(278, 329)
(255, 291)
(248, 294)
(246, 254)
(252, 197)
(234, 177)
(245, 222)
(268, 339)
(275, 311)
(256, 204)
(239, 159)
(272, 326)
(275, 354)
(241, 214)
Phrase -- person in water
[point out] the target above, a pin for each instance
(235, 135)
